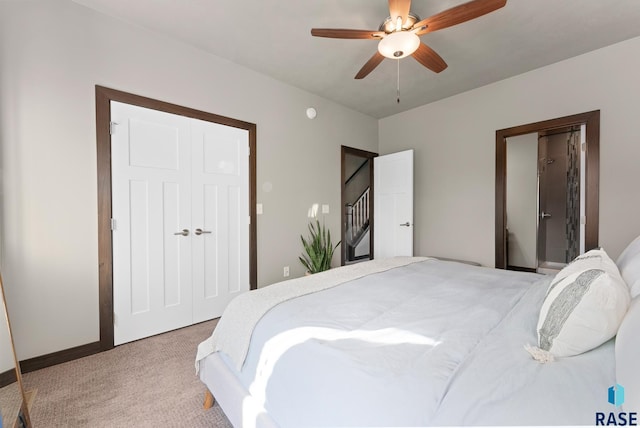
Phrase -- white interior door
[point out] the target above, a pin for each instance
(393, 205)
(180, 204)
(221, 211)
(151, 202)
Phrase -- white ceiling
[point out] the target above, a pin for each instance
(273, 37)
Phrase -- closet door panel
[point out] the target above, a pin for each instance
(221, 257)
(151, 206)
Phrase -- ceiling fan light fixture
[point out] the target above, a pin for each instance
(389, 25)
(398, 44)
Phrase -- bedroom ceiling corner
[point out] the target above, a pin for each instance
(274, 38)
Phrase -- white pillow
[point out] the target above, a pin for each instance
(629, 265)
(628, 356)
(584, 306)
(597, 258)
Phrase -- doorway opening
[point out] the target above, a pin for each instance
(560, 207)
(357, 205)
(547, 192)
(545, 181)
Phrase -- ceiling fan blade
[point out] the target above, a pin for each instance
(373, 62)
(339, 33)
(429, 58)
(399, 8)
(458, 14)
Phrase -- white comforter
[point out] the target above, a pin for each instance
(429, 343)
(233, 332)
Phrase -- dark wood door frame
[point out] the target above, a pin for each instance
(104, 96)
(592, 173)
(345, 150)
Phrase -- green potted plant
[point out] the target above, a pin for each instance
(318, 249)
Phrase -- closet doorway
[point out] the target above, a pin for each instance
(176, 215)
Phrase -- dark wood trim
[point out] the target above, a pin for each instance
(592, 176)
(522, 269)
(372, 225)
(49, 360)
(501, 201)
(253, 203)
(345, 150)
(60, 357)
(592, 173)
(104, 96)
(105, 249)
(8, 377)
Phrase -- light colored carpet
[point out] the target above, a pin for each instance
(147, 383)
(10, 400)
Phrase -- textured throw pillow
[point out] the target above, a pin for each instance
(629, 265)
(584, 306)
(596, 258)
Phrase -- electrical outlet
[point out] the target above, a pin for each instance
(325, 209)
(285, 271)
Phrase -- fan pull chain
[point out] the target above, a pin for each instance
(398, 83)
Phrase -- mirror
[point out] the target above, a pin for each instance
(547, 192)
(14, 402)
(357, 205)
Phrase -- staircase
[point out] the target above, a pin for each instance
(358, 226)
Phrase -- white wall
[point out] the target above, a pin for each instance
(51, 56)
(522, 199)
(6, 356)
(455, 148)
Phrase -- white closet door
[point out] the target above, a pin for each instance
(220, 181)
(151, 203)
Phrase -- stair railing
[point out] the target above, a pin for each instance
(360, 214)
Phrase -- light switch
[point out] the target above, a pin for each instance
(325, 209)
(259, 209)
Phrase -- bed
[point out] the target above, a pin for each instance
(409, 342)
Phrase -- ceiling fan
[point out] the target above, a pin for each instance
(399, 33)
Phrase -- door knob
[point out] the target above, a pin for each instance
(407, 224)
(200, 231)
(185, 232)
(544, 215)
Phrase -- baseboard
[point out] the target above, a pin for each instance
(49, 360)
(521, 269)
(7, 378)
(60, 357)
